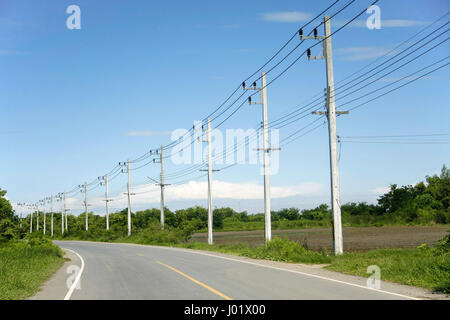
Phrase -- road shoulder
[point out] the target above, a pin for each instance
(56, 287)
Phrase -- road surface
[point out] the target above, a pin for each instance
(127, 271)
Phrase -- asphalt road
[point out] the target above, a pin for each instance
(125, 271)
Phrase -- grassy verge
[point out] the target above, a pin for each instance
(25, 266)
(277, 250)
(421, 267)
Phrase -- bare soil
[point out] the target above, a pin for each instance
(355, 238)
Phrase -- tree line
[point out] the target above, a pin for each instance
(427, 202)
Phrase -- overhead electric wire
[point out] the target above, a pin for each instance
(240, 96)
(298, 58)
(273, 56)
(339, 87)
(270, 82)
(300, 136)
(292, 119)
(147, 155)
(434, 70)
(390, 84)
(399, 142)
(289, 116)
(397, 136)
(301, 42)
(320, 95)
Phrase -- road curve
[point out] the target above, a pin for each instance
(126, 271)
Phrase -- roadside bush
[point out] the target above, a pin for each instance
(42, 245)
(443, 245)
(289, 251)
(154, 235)
(8, 230)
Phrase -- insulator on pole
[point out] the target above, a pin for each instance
(243, 84)
(249, 100)
(315, 33)
(300, 32)
(254, 84)
(308, 53)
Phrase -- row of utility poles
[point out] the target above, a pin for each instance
(60, 197)
(330, 112)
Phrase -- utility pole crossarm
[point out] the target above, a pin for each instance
(267, 149)
(326, 113)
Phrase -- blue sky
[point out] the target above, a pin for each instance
(71, 99)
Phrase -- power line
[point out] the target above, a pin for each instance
(399, 142)
(397, 136)
(288, 117)
(320, 95)
(401, 86)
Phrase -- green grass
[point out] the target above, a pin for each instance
(277, 250)
(421, 267)
(25, 266)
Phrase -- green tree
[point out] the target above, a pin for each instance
(6, 210)
(8, 222)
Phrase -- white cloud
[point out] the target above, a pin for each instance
(147, 133)
(286, 16)
(231, 26)
(197, 190)
(402, 23)
(362, 53)
(4, 52)
(381, 190)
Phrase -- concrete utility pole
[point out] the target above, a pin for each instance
(58, 199)
(210, 209)
(210, 171)
(63, 211)
(160, 183)
(266, 149)
(128, 193)
(161, 160)
(86, 205)
(129, 198)
(45, 220)
(51, 209)
(31, 220)
(105, 183)
(331, 115)
(37, 216)
(107, 201)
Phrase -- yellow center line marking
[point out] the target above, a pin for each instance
(196, 281)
